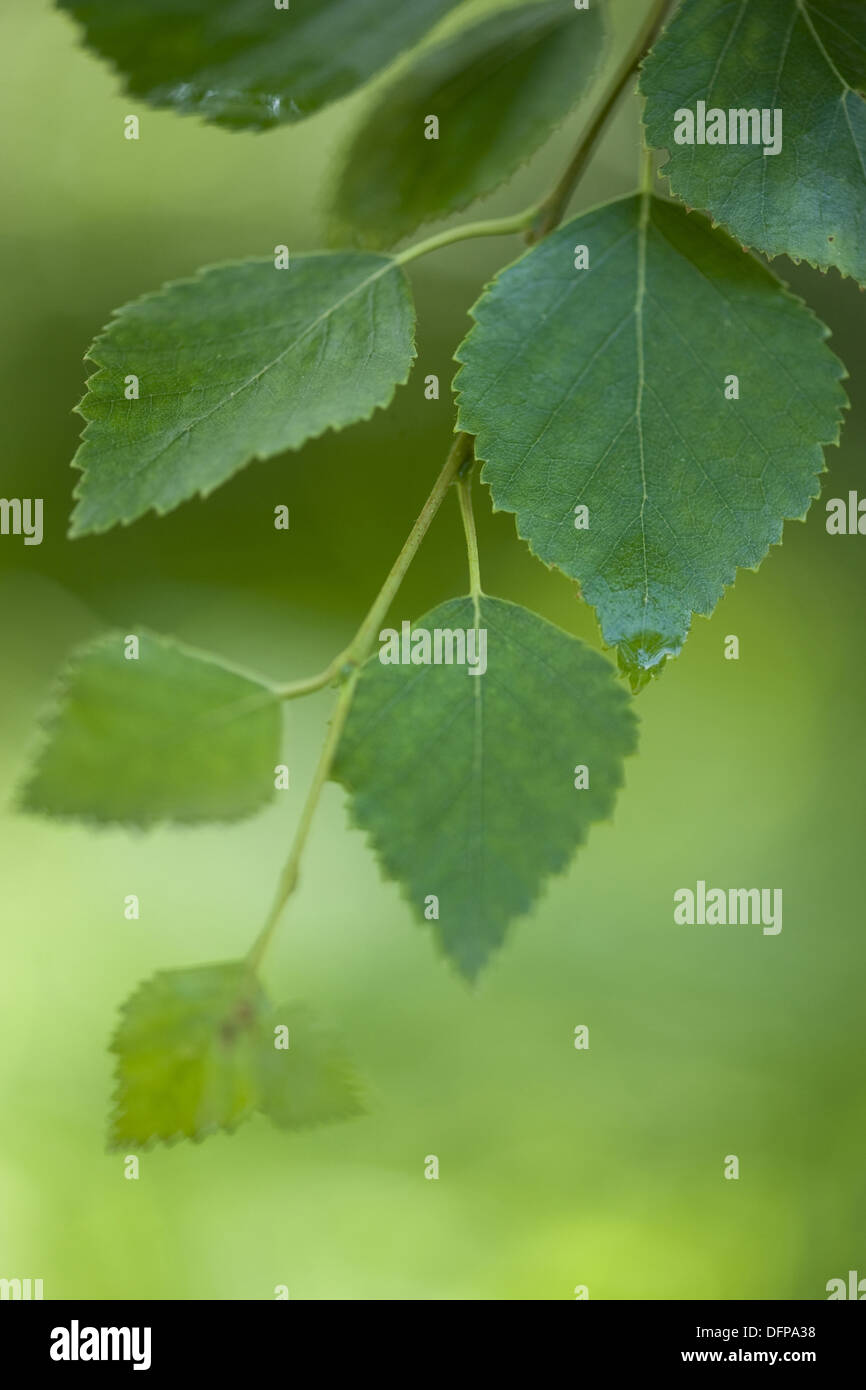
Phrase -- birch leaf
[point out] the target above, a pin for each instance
(497, 89)
(241, 362)
(651, 418)
(466, 783)
(174, 735)
(196, 1054)
(805, 61)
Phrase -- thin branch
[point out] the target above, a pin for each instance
(289, 876)
(352, 658)
(296, 689)
(359, 648)
(552, 210)
(494, 226)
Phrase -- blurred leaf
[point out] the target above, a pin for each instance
(239, 363)
(497, 89)
(174, 735)
(465, 783)
(309, 1083)
(196, 1053)
(245, 64)
(187, 1047)
(804, 59)
(605, 388)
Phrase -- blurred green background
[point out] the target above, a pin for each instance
(558, 1167)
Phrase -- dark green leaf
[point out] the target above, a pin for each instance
(497, 89)
(239, 363)
(196, 1053)
(804, 59)
(604, 388)
(245, 64)
(465, 783)
(174, 735)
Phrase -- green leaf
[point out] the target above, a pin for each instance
(465, 783)
(196, 1053)
(241, 362)
(309, 1083)
(497, 89)
(245, 64)
(187, 1047)
(174, 735)
(804, 59)
(605, 388)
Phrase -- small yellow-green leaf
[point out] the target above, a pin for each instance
(200, 1050)
(172, 734)
(188, 1048)
(310, 1081)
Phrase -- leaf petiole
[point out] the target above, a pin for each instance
(494, 226)
(464, 494)
(552, 208)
